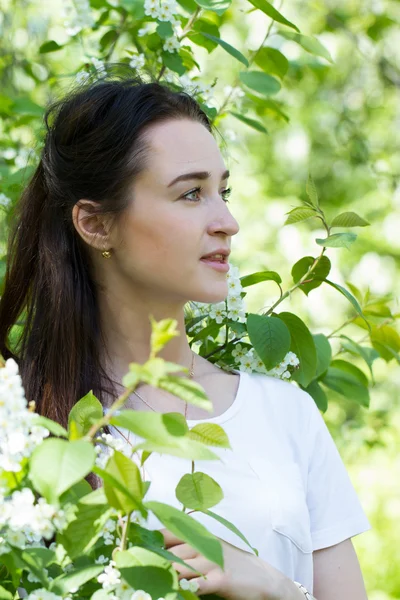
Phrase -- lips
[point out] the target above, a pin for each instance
(220, 255)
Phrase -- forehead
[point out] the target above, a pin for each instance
(179, 145)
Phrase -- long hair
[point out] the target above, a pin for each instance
(94, 148)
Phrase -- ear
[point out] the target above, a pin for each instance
(93, 228)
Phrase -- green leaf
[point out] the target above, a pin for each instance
(162, 332)
(259, 277)
(229, 526)
(173, 61)
(76, 492)
(56, 465)
(50, 46)
(347, 385)
(82, 533)
(85, 413)
(302, 344)
(75, 579)
(337, 240)
(350, 298)
(143, 569)
(52, 426)
(4, 594)
(188, 390)
(324, 353)
(188, 530)
(217, 6)
(310, 44)
(269, 10)
(386, 341)
(183, 448)
(108, 39)
(272, 61)
(25, 106)
(318, 395)
(250, 122)
(316, 277)
(349, 219)
(260, 82)
(200, 27)
(152, 426)
(165, 30)
(198, 491)
(344, 365)
(366, 353)
(36, 559)
(129, 493)
(230, 49)
(311, 191)
(210, 434)
(299, 214)
(270, 338)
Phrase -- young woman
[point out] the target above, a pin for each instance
(129, 197)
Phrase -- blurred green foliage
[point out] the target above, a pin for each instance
(328, 104)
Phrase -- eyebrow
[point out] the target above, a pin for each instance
(196, 175)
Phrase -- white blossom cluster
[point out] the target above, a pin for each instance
(233, 309)
(77, 16)
(105, 449)
(189, 584)
(116, 589)
(19, 435)
(192, 86)
(42, 594)
(166, 10)
(25, 522)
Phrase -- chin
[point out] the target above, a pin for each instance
(216, 293)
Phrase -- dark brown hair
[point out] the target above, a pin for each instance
(94, 147)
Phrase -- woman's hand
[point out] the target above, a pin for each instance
(245, 576)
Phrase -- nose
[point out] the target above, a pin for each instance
(223, 222)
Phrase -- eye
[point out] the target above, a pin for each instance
(225, 194)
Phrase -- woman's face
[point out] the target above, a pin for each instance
(169, 225)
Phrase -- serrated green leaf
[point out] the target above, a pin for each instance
(183, 448)
(210, 434)
(316, 277)
(311, 191)
(274, 14)
(302, 344)
(337, 240)
(129, 493)
(144, 569)
(259, 277)
(186, 389)
(250, 122)
(310, 44)
(85, 413)
(198, 491)
(349, 219)
(82, 533)
(260, 82)
(56, 465)
(162, 332)
(228, 48)
(299, 214)
(270, 338)
(188, 530)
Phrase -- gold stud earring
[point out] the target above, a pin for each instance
(106, 254)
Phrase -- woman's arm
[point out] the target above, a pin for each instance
(337, 573)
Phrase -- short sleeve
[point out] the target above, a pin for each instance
(335, 511)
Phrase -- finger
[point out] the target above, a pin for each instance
(183, 551)
(201, 564)
(170, 539)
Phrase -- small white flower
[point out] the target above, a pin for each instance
(82, 77)
(171, 44)
(184, 583)
(137, 61)
(101, 560)
(110, 577)
(42, 594)
(140, 595)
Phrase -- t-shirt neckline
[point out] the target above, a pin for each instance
(231, 410)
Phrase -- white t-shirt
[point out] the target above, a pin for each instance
(285, 485)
